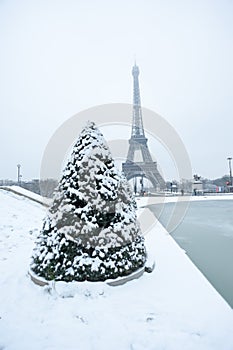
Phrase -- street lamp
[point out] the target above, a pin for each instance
(19, 176)
(229, 160)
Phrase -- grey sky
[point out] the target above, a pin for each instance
(60, 57)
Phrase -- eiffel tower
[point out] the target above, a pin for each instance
(146, 168)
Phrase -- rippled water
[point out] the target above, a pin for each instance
(206, 234)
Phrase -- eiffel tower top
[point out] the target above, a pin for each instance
(137, 125)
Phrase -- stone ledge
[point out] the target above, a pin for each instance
(40, 281)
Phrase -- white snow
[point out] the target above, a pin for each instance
(143, 201)
(28, 194)
(173, 308)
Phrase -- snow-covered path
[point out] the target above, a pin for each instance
(173, 308)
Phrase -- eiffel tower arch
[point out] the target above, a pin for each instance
(146, 168)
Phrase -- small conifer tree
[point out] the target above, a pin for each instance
(91, 230)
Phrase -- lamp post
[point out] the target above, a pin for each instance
(142, 185)
(19, 175)
(229, 160)
(135, 186)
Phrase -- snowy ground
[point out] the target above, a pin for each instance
(28, 194)
(174, 308)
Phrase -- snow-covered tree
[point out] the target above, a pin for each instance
(91, 230)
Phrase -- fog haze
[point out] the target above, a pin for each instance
(60, 57)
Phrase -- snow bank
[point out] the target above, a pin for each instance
(172, 308)
(144, 201)
(27, 194)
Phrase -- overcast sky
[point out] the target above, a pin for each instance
(60, 57)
